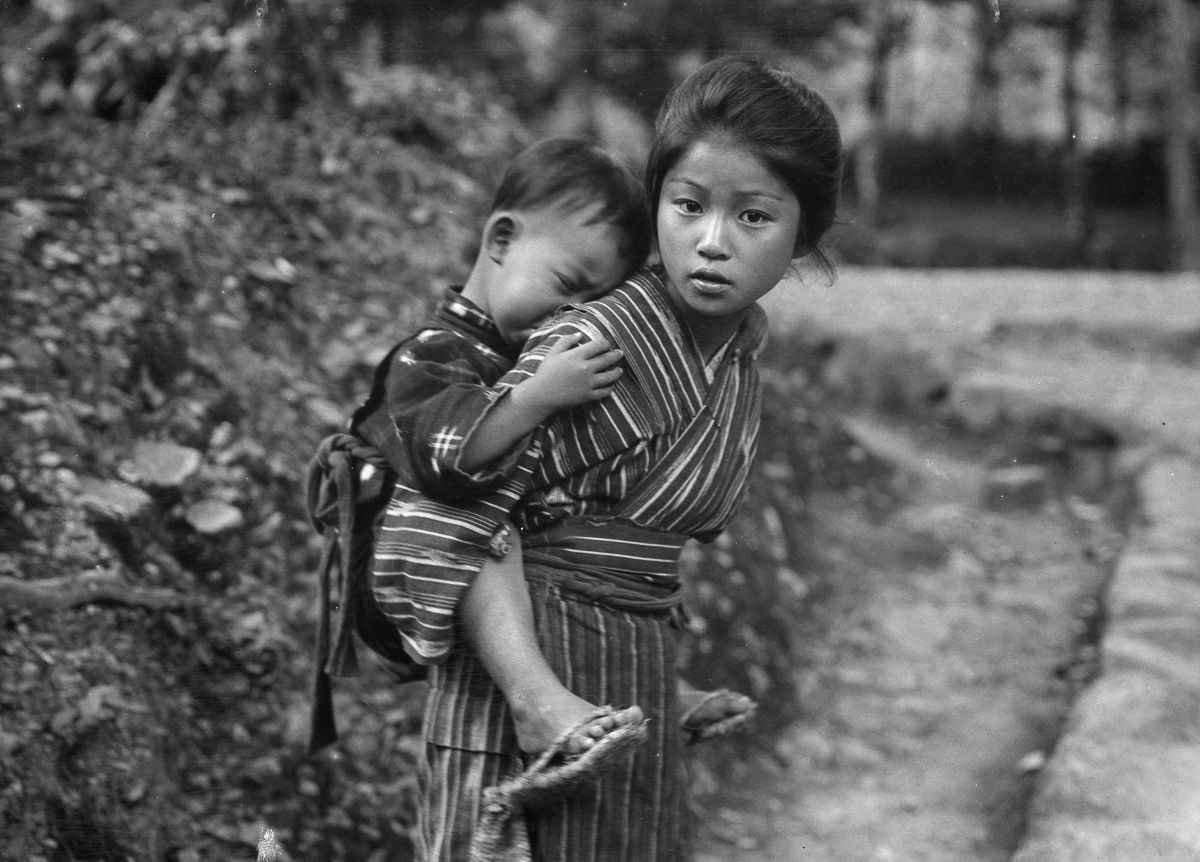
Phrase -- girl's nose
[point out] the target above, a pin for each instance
(712, 240)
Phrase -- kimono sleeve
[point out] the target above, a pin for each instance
(536, 348)
(434, 397)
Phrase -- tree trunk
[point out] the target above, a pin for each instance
(1183, 206)
(388, 20)
(884, 27)
(984, 109)
(1120, 24)
(1079, 210)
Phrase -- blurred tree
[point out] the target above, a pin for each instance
(1068, 18)
(294, 54)
(612, 57)
(1080, 213)
(579, 25)
(1123, 20)
(419, 31)
(990, 32)
(1183, 207)
(885, 22)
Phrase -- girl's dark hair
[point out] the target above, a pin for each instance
(576, 175)
(783, 122)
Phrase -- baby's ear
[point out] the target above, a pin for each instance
(501, 230)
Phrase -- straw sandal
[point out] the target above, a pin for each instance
(697, 728)
(500, 835)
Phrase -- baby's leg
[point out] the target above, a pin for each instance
(498, 618)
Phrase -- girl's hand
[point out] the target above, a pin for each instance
(571, 374)
(574, 372)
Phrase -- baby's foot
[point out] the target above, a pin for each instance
(707, 714)
(604, 740)
(540, 724)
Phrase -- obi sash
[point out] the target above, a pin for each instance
(609, 561)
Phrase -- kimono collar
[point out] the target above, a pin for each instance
(746, 342)
(461, 314)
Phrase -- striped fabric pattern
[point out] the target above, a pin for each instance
(609, 545)
(438, 381)
(445, 823)
(669, 449)
(427, 554)
(668, 453)
(633, 813)
(438, 385)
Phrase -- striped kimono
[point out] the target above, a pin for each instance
(440, 520)
(615, 488)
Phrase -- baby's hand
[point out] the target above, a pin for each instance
(575, 372)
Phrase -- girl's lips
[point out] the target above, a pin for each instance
(709, 281)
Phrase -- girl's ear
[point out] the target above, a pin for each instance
(500, 232)
(802, 247)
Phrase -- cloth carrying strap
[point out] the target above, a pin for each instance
(331, 498)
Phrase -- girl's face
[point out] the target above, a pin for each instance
(728, 229)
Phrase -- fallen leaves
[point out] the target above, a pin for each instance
(167, 303)
(160, 464)
(99, 705)
(279, 271)
(211, 517)
(113, 500)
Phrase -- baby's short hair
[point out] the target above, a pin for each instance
(575, 174)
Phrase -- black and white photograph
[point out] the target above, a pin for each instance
(599, 431)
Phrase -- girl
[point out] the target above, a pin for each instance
(743, 179)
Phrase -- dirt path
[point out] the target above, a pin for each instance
(949, 650)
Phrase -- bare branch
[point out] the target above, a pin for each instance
(69, 591)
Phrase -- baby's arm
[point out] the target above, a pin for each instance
(573, 372)
(432, 396)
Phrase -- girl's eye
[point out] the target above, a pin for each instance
(687, 206)
(755, 217)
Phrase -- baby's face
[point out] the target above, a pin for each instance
(556, 258)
